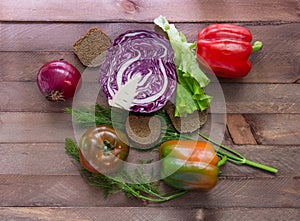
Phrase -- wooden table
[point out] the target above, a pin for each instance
(38, 181)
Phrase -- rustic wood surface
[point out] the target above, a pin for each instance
(38, 181)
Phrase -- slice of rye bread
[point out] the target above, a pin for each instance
(143, 131)
(91, 48)
(188, 124)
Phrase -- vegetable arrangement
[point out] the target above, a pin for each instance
(195, 163)
(140, 73)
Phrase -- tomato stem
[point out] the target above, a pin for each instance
(107, 147)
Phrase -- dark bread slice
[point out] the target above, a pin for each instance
(188, 124)
(91, 48)
(143, 131)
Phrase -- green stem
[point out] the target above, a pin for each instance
(224, 147)
(160, 199)
(240, 159)
(257, 46)
(261, 166)
(222, 161)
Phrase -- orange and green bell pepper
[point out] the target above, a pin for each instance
(226, 48)
(189, 164)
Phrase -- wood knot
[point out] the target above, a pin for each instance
(129, 6)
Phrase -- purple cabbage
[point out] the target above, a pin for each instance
(146, 57)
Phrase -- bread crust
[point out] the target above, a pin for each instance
(91, 47)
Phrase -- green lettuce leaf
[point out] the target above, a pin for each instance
(190, 95)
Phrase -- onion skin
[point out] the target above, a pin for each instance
(58, 80)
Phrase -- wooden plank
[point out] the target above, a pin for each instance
(239, 98)
(51, 159)
(239, 129)
(58, 191)
(261, 98)
(137, 10)
(55, 127)
(275, 129)
(17, 127)
(34, 127)
(61, 36)
(276, 63)
(97, 213)
(145, 213)
(24, 66)
(275, 156)
(27, 94)
(62, 191)
(252, 214)
(36, 158)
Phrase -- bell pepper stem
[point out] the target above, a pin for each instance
(238, 158)
(222, 161)
(257, 46)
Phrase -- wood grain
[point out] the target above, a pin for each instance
(22, 127)
(239, 129)
(253, 214)
(260, 98)
(51, 159)
(24, 66)
(239, 98)
(98, 213)
(275, 129)
(62, 191)
(34, 127)
(36, 158)
(144, 213)
(125, 10)
(61, 36)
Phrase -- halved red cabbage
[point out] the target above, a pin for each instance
(139, 73)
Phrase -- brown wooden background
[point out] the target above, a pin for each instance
(38, 181)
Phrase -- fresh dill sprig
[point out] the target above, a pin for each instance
(144, 189)
(71, 149)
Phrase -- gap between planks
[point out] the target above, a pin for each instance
(146, 213)
(137, 10)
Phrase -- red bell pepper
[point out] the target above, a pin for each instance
(226, 48)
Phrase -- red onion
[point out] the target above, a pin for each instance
(57, 80)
